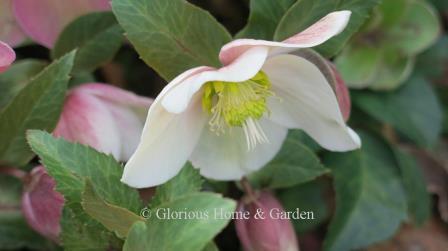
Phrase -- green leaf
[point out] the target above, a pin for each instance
(188, 181)
(294, 164)
(70, 165)
(171, 36)
(417, 29)
(309, 197)
(442, 5)
(181, 234)
(84, 234)
(37, 106)
(97, 37)
(419, 202)
(114, 218)
(370, 200)
(306, 12)
(16, 78)
(433, 62)
(413, 110)
(365, 59)
(264, 17)
(393, 72)
(211, 246)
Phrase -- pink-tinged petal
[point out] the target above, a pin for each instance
(7, 56)
(226, 157)
(87, 120)
(10, 31)
(43, 20)
(243, 68)
(130, 125)
(307, 101)
(115, 95)
(41, 204)
(324, 29)
(342, 93)
(165, 145)
(268, 233)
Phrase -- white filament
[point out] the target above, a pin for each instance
(254, 133)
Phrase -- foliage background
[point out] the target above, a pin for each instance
(373, 198)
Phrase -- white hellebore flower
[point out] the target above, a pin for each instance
(231, 121)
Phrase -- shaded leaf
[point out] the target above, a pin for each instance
(308, 197)
(97, 36)
(419, 202)
(370, 200)
(293, 165)
(16, 78)
(264, 17)
(37, 106)
(171, 36)
(413, 110)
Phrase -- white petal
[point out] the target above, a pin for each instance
(226, 157)
(306, 101)
(324, 29)
(167, 141)
(243, 68)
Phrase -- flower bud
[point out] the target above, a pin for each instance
(333, 77)
(104, 117)
(342, 93)
(264, 233)
(41, 204)
(7, 56)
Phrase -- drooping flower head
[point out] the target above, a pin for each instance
(104, 117)
(231, 121)
(43, 20)
(42, 204)
(10, 31)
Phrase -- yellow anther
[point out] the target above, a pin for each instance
(237, 104)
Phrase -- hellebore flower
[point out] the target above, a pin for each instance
(43, 20)
(7, 56)
(231, 121)
(41, 204)
(104, 117)
(10, 31)
(265, 233)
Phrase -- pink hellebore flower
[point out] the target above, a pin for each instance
(231, 121)
(10, 31)
(268, 233)
(41, 204)
(43, 20)
(105, 117)
(7, 56)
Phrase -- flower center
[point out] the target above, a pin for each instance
(238, 105)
